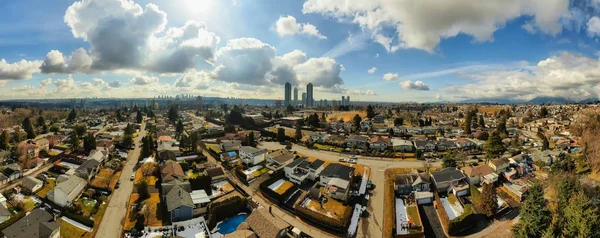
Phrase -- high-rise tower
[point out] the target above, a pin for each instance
(309, 95)
(288, 94)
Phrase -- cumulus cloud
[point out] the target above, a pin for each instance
(115, 84)
(65, 85)
(23, 88)
(252, 62)
(123, 35)
(55, 62)
(143, 80)
(100, 84)
(416, 85)
(593, 26)
(423, 24)
(288, 26)
(18, 70)
(193, 78)
(372, 70)
(45, 82)
(565, 74)
(390, 77)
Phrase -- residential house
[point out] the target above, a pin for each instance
(336, 140)
(229, 157)
(449, 178)
(317, 137)
(43, 144)
(37, 224)
(230, 145)
(365, 124)
(379, 143)
(99, 154)
(201, 201)
(499, 165)
(291, 121)
(171, 170)
(378, 119)
(88, 169)
(166, 155)
(266, 224)
(301, 169)
(463, 143)
(414, 181)
(277, 159)
(335, 170)
(64, 193)
(105, 144)
(31, 184)
(425, 145)
(12, 172)
(4, 214)
(338, 189)
(176, 195)
(359, 141)
(477, 175)
(446, 145)
(216, 174)
(168, 146)
(252, 156)
(402, 145)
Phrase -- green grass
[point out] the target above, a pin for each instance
(264, 170)
(87, 205)
(413, 214)
(28, 204)
(452, 199)
(475, 195)
(323, 147)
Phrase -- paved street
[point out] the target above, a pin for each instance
(372, 226)
(112, 222)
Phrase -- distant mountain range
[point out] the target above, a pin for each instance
(536, 100)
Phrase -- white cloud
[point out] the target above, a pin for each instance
(66, 85)
(55, 62)
(45, 82)
(390, 77)
(288, 26)
(416, 85)
(143, 80)
(372, 70)
(593, 26)
(18, 70)
(568, 75)
(193, 78)
(115, 84)
(100, 84)
(23, 88)
(423, 24)
(125, 36)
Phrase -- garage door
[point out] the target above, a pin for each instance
(462, 193)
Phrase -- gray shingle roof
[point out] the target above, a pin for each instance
(338, 171)
(38, 223)
(178, 197)
(447, 174)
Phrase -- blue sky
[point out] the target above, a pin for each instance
(380, 50)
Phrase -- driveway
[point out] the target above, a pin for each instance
(113, 219)
(431, 222)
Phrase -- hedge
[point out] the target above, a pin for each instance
(11, 220)
(79, 218)
(221, 210)
(462, 222)
(323, 220)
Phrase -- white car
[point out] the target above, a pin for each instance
(352, 161)
(342, 160)
(132, 177)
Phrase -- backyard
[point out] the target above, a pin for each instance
(69, 230)
(332, 208)
(86, 205)
(103, 178)
(388, 199)
(46, 189)
(147, 172)
(281, 186)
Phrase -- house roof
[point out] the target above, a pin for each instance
(72, 186)
(167, 155)
(447, 174)
(500, 161)
(281, 156)
(178, 197)
(38, 223)
(240, 234)
(252, 150)
(200, 197)
(338, 171)
(4, 211)
(171, 170)
(481, 170)
(215, 172)
(265, 224)
(359, 138)
(168, 186)
(341, 183)
(30, 182)
(379, 139)
(87, 166)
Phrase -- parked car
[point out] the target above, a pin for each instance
(118, 184)
(342, 160)
(132, 177)
(352, 161)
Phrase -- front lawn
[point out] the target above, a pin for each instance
(69, 230)
(103, 178)
(86, 205)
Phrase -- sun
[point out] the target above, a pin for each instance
(203, 9)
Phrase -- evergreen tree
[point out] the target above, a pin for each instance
(581, 217)
(489, 200)
(195, 140)
(146, 147)
(448, 162)
(74, 140)
(129, 130)
(398, 121)
(356, 120)
(494, 146)
(229, 128)
(173, 114)
(72, 116)
(543, 112)
(468, 122)
(54, 128)
(89, 142)
(142, 189)
(127, 141)
(501, 128)
(5, 141)
(370, 112)
(184, 142)
(481, 121)
(139, 117)
(251, 140)
(535, 214)
(281, 134)
(41, 122)
(298, 134)
(179, 128)
(29, 129)
(81, 129)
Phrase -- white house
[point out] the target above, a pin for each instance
(32, 184)
(402, 145)
(301, 169)
(66, 192)
(251, 155)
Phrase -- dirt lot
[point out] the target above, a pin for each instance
(347, 116)
(489, 110)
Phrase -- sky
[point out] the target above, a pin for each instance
(377, 50)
